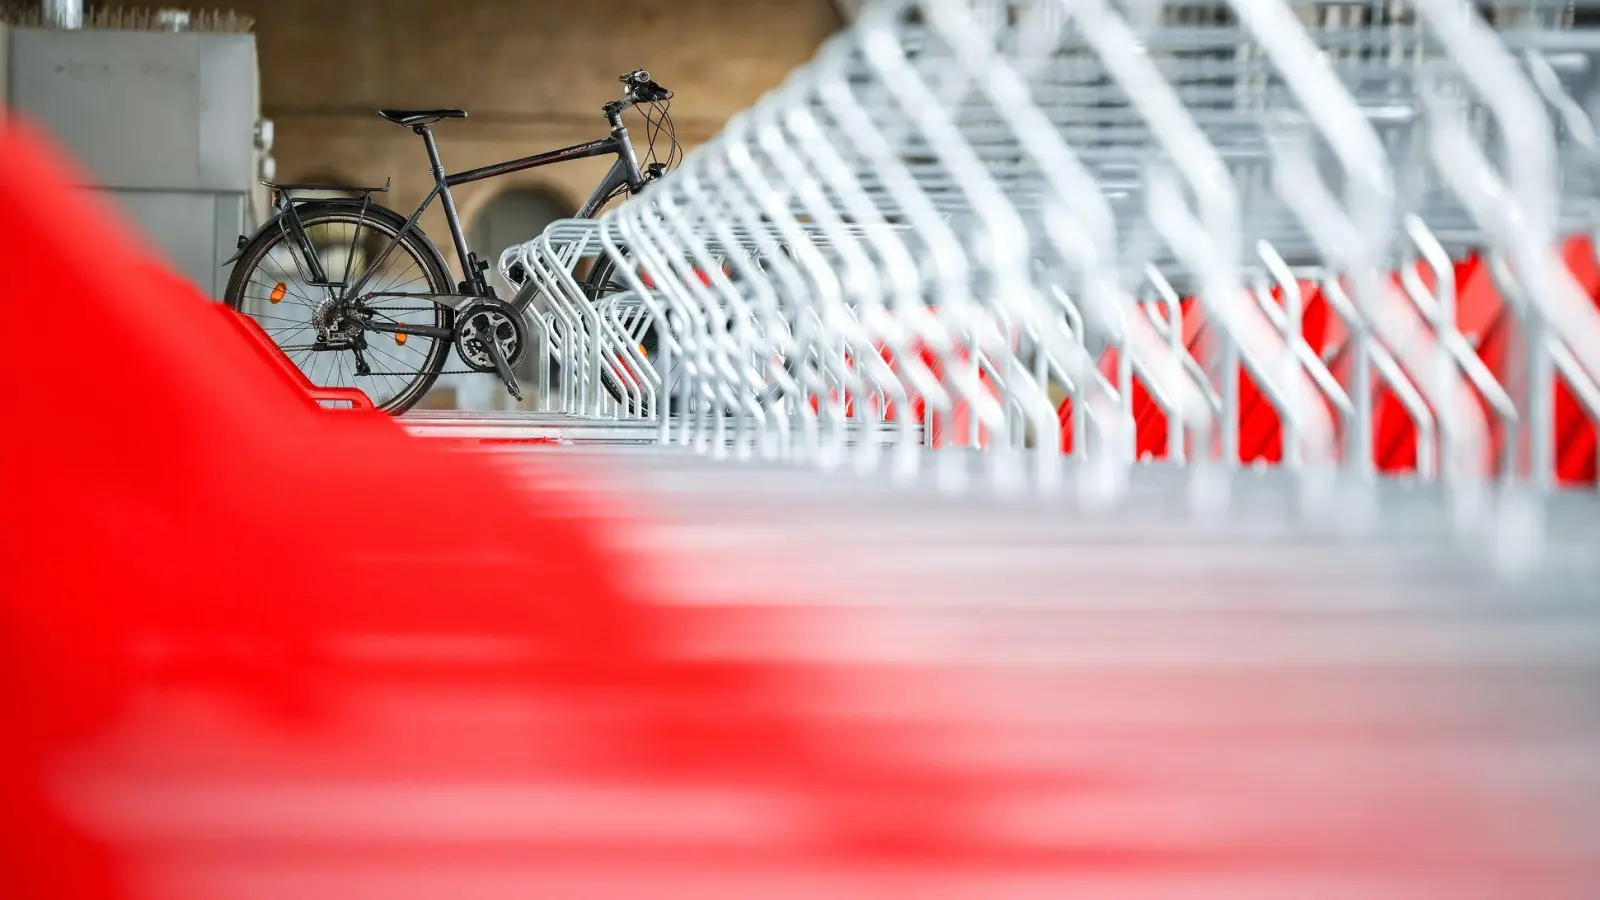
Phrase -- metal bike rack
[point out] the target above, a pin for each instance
(1066, 235)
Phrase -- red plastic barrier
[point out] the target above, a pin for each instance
(1150, 424)
(955, 428)
(1480, 315)
(1260, 436)
(190, 523)
(1483, 317)
(697, 274)
(1394, 433)
(1575, 433)
(950, 430)
(258, 340)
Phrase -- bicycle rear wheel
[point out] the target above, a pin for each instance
(270, 283)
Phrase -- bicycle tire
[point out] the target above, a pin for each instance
(386, 223)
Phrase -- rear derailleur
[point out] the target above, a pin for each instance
(338, 329)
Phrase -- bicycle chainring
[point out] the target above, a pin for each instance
(483, 320)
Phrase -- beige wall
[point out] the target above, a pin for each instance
(531, 73)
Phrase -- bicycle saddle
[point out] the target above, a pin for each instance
(420, 116)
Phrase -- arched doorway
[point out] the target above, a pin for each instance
(511, 217)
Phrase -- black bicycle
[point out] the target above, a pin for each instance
(356, 295)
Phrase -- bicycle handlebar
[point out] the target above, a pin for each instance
(642, 89)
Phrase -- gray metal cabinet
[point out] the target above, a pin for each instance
(165, 123)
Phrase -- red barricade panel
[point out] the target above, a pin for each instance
(1480, 315)
(177, 512)
(258, 340)
(1260, 435)
(1575, 433)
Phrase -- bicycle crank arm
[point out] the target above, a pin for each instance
(432, 331)
(502, 367)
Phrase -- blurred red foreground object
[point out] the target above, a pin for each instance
(257, 338)
(250, 650)
(254, 650)
(178, 518)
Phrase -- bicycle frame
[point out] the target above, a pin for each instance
(624, 173)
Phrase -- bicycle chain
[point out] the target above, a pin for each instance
(419, 372)
(388, 309)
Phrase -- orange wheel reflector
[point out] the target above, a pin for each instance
(278, 292)
(399, 339)
(642, 351)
